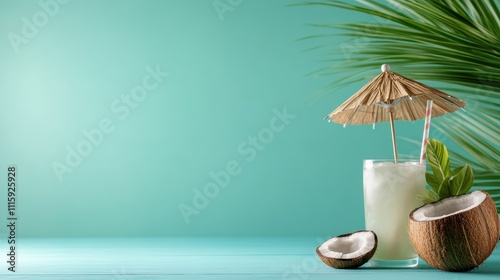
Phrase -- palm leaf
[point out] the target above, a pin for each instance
(452, 42)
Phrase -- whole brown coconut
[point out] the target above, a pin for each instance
(456, 233)
(350, 250)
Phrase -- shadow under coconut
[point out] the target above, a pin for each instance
(488, 267)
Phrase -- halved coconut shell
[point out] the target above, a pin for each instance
(456, 233)
(348, 250)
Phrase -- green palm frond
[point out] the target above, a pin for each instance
(479, 136)
(452, 42)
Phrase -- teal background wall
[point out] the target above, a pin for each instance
(79, 81)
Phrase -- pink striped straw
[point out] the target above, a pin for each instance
(428, 114)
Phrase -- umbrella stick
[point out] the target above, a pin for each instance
(393, 138)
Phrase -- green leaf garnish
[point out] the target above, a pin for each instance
(462, 180)
(443, 181)
(428, 196)
(444, 189)
(432, 181)
(437, 156)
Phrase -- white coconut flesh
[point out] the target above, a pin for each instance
(348, 247)
(449, 206)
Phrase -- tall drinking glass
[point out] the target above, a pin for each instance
(390, 194)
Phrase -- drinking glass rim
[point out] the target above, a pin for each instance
(405, 160)
(391, 160)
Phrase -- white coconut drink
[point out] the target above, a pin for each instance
(348, 250)
(456, 233)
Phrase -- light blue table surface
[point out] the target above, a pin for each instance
(201, 258)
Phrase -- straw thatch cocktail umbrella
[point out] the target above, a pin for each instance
(389, 97)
